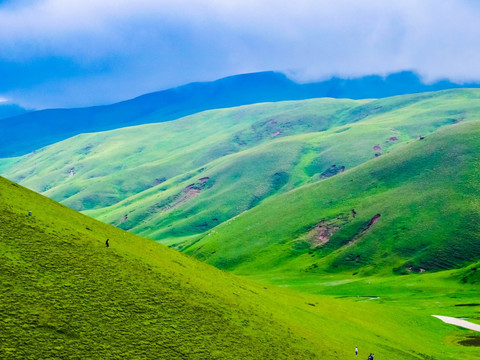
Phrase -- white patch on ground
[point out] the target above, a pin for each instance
(459, 322)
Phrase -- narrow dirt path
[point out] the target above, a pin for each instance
(458, 322)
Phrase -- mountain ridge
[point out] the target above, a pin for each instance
(27, 132)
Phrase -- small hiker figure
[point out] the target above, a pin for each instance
(370, 357)
(106, 243)
(356, 351)
(29, 213)
(354, 212)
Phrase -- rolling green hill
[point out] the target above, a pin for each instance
(336, 201)
(176, 181)
(415, 209)
(65, 295)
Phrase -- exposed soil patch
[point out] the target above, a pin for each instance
(332, 170)
(393, 138)
(373, 220)
(321, 233)
(377, 148)
(365, 228)
(187, 194)
(276, 133)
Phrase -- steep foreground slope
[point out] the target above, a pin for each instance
(64, 295)
(414, 209)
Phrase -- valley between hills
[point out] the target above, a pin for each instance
(330, 224)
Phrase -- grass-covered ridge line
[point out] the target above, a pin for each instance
(147, 179)
(65, 295)
(25, 133)
(413, 210)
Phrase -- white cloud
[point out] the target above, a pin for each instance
(154, 44)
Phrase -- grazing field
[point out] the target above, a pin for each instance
(66, 295)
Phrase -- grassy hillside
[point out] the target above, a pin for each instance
(23, 134)
(175, 181)
(97, 170)
(415, 209)
(65, 295)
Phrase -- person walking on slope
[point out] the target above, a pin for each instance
(356, 351)
(106, 243)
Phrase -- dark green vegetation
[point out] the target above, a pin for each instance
(22, 134)
(65, 295)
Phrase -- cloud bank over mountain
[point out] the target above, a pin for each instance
(57, 53)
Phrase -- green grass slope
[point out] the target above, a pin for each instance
(95, 170)
(237, 182)
(415, 209)
(175, 181)
(65, 295)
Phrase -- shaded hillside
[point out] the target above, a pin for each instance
(412, 210)
(25, 133)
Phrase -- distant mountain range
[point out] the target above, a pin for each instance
(9, 110)
(21, 132)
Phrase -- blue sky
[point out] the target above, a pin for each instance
(57, 53)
